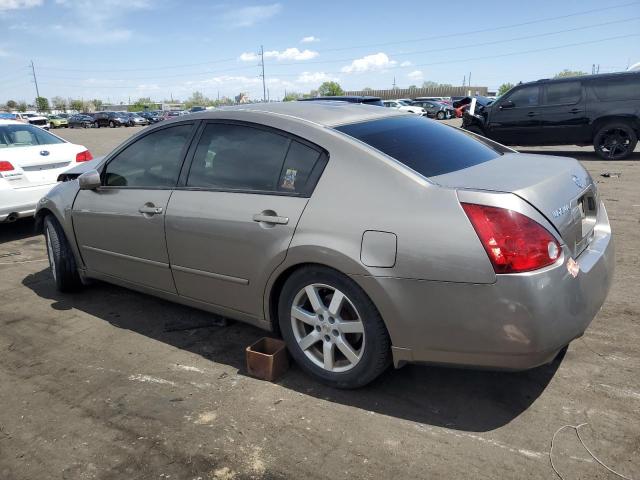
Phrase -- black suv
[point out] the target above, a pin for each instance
(600, 110)
(110, 119)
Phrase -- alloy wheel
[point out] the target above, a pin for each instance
(614, 142)
(327, 328)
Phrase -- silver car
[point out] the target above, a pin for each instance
(362, 235)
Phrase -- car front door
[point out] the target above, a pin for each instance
(230, 222)
(514, 120)
(119, 226)
(563, 116)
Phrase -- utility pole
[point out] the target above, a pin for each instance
(469, 78)
(264, 85)
(394, 83)
(464, 80)
(35, 80)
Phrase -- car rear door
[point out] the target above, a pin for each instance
(563, 116)
(514, 120)
(232, 219)
(119, 227)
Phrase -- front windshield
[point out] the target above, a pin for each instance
(25, 136)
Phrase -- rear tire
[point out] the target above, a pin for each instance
(440, 115)
(615, 141)
(61, 260)
(112, 125)
(96, 125)
(322, 329)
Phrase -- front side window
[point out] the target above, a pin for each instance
(153, 161)
(24, 135)
(525, 97)
(240, 157)
(564, 93)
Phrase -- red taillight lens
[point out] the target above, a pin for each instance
(514, 242)
(5, 166)
(84, 156)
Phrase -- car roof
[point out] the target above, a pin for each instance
(5, 121)
(329, 113)
(346, 98)
(599, 76)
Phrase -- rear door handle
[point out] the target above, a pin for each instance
(531, 114)
(575, 110)
(150, 210)
(261, 217)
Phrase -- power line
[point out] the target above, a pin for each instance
(397, 42)
(521, 52)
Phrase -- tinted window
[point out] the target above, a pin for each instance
(564, 93)
(152, 161)
(423, 145)
(238, 157)
(617, 88)
(25, 136)
(300, 170)
(525, 97)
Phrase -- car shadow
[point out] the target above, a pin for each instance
(466, 400)
(582, 155)
(18, 230)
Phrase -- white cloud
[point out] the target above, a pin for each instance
(406, 63)
(19, 4)
(309, 39)
(99, 18)
(314, 77)
(416, 75)
(287, 54)
(367, 63)
(249, 16)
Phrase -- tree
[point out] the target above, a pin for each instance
(42, 104)
(412, 87)
(504, 88)
(12, 104)
(569, 73)
(197, 99)
(367, 89)
(291, 96)
(77, 105)
(22, 106)
(328, 89)
(140, 104)
(97, 103)
(59, 103)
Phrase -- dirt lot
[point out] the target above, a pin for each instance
(109, 383)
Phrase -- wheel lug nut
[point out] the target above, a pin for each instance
(327, 338)
(332, 320)
(335, 332)
(317, 328)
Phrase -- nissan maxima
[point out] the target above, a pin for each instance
(363, 236)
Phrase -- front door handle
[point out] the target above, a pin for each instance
(531, 114)
(150, 210)
(266, 218)
(575, 110)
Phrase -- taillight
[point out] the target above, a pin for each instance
(84, 156)
(514, 242)
(5, 166)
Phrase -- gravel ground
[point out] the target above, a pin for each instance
(111, 384)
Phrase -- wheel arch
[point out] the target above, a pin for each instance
(631, 120)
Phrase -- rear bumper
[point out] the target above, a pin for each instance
(21, 201)
(519, 322)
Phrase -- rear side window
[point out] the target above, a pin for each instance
(617, 89)
(425, 146)
(564, 93)
(23, 135)
(244, 158)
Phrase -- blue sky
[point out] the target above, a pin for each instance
(121, 49)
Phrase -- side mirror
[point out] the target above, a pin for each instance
(89, 180)
(506, 105)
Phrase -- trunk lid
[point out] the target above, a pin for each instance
(558, 187)
(33, 168)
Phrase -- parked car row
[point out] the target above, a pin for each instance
(30, 118)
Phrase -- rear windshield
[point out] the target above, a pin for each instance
(25, 136)
(423, 145)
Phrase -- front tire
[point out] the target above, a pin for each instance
(332, 329)
(112, 125)
(61, 260)
(440, 115)
(615, 141)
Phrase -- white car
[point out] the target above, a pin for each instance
(405, 107)
(34, 119)
(30, 161)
